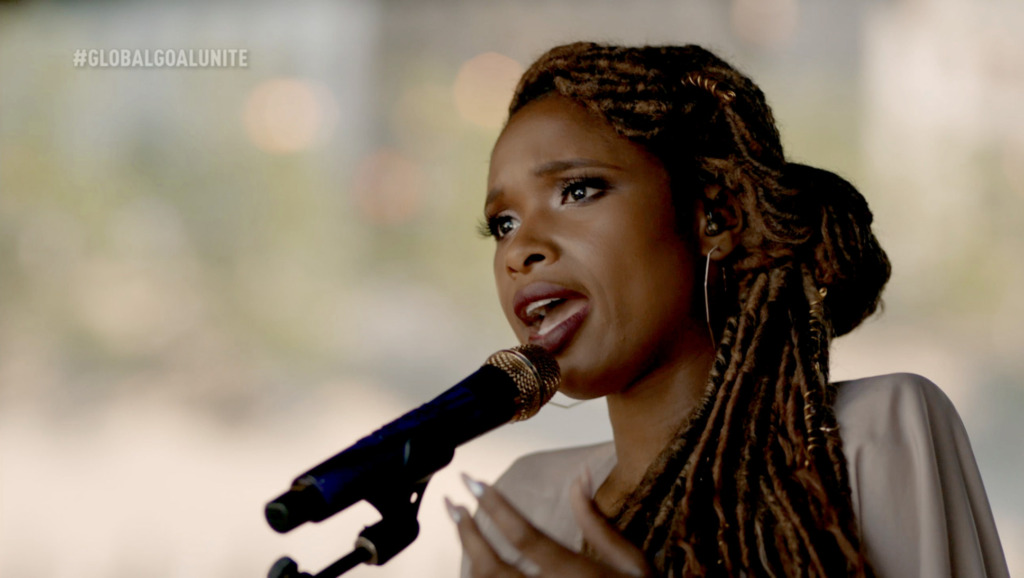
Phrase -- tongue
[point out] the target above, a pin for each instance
(560, 313)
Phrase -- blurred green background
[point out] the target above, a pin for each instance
(211, 279)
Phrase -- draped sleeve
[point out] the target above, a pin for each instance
(917, 493)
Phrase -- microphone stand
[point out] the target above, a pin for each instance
(376, 544)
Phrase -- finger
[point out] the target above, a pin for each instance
(531, 542)
(484, 561)
(610, 546)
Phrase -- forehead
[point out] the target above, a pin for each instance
(555, 128)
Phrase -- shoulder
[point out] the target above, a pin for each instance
(899, 389)
(898, 417)
(879, 406)
(916, 490)
(896, 428)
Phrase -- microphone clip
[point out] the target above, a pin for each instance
(376, 544)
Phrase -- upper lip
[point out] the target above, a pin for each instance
(537, 291)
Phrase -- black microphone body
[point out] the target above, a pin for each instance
(405, 451)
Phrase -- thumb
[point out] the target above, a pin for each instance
(606, 541)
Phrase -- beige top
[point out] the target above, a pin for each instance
(917, 493)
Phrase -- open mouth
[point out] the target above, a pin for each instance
(546, 314)
(552, 314)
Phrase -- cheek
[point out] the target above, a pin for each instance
(659, 283)
(661, 292)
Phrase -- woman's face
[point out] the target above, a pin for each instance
(590, 263)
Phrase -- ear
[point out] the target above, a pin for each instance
(719, 221)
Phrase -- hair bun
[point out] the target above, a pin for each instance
(842, 251)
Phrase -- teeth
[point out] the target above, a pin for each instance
(532, 307)
(556, 317)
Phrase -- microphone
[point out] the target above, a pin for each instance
(512, 385)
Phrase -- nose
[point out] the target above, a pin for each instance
(530, 246)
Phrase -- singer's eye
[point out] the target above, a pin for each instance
(498, 226)
(580, 189)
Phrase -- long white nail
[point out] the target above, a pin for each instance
(476, 488)
(454, 513)
(586, 484)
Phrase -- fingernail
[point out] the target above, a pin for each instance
(454, 513)
(586, 484)
(476, 488)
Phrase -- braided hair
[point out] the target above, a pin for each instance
(755, 481)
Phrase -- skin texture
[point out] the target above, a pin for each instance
(618, 246)
(576, 204)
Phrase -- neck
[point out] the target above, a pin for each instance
(645, 416)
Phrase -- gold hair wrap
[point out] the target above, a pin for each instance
(699, 80)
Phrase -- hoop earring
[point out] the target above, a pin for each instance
(707, 303)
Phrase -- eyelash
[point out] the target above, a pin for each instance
(485, 227)
(489, 226)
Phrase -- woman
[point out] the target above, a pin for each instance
(651, 235)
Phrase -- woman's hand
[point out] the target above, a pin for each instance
(617, 556)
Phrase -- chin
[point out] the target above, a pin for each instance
(581, 395)
(581, 388)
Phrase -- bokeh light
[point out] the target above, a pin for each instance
(286, 115)
(484, 86)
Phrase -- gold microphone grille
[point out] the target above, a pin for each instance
(535, 373)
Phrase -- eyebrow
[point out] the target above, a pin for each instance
(552, 167)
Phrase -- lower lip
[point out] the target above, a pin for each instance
(559, 337)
